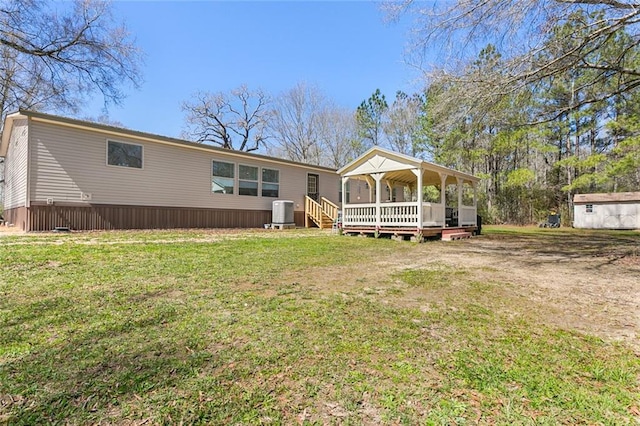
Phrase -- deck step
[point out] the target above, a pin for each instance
(455, 236)
(325, 223)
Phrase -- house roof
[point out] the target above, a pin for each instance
(398, 167)
(611, 197)
(132, 134)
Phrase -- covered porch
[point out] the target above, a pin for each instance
(407, 196)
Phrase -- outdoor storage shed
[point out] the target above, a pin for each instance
(607, 211)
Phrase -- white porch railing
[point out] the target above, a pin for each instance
(393, 215)
(467, 216)
(359, 215)
(399, 214)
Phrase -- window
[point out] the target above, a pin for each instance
(222, 180)
(589, 208)
(347, 187)
(248, 180)
(270, 183)
(124, 154)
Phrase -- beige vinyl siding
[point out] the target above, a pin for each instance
(68, 162)
(16, 166)
(359, 192)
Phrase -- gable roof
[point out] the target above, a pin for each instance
(379, 159)
(610, 197)
(133, 134)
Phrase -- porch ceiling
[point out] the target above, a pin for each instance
(408, 177)
(401, 176)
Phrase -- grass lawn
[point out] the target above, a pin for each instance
(189, 327)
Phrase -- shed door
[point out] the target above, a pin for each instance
(312, 187)
(619, 216)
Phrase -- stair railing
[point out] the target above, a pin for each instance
(329, 208)
(313, 210)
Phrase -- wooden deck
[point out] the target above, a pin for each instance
(414, 234)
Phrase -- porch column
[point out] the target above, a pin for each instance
(460, 185)
(475, 202)
(475, 194)
(378, 179)
(443, 198)
(420, 197)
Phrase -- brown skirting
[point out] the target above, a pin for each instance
(97, 216)
(16, 217)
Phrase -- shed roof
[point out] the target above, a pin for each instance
(610, 197)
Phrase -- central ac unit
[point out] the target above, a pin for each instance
(282, 213)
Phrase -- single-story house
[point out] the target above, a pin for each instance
(620, 210)
(62, 172)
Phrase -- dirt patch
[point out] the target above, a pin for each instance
(594, 297)
(589, 285)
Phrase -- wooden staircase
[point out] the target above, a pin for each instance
(323, 214)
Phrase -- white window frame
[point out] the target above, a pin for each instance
(262, 182)
(124, 143)
(235, 174)
(257, 181)
(588, 208)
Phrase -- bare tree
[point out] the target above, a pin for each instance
(106, 120)
(338, 136)
(533, 50)
(235, 120)
(52, 54)
(295, 124)
(307, 127)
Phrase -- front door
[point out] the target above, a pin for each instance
(312, 187)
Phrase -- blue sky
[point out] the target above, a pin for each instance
(344, 48)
